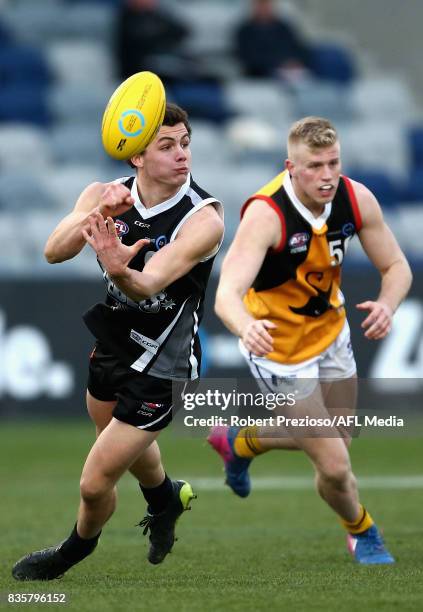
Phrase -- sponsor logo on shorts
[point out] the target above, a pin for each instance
(289, 379)
(121, 227)
(298, 242)
(149, 409)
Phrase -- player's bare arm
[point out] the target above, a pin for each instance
(199, 237)
(259, 231)
(384, 252)
(66, 241)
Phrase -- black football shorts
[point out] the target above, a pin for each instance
(142, 400)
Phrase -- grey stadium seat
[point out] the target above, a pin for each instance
(24, 191)
(67, 182)
(23, 141)
(82, 61)
(77, 143)
(77, 102)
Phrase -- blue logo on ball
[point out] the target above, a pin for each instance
(140, 116)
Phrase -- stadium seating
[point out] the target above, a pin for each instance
(415, 145)
(57, 70)
(201, 100)
(382, 96)
(43, 22)
(35, 22)
(82, 61)
(24, 102)
(413, 187)
(76, 143)
(207, 140)
(374, 144)
(265, 98)
(24, 192)
(380, 183)
(5, 35)
(211, 24)
(77, 103)
(25, 64)
(331, 62)
(66, 182)
(324, 99)
(20, 139)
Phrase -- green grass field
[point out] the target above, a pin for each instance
(279, 549)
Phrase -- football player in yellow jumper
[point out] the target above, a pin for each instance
(280, 293)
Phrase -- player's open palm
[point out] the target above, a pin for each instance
(102, 237)
(115, 200)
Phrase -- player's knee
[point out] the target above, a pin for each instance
(93, 489)
(336, 475)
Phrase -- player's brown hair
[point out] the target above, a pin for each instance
(315, 132)
(174, 114)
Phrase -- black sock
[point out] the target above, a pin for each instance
(159, 497)
(75, 548)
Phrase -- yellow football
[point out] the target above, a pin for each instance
(133, 115)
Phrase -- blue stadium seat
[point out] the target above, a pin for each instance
(24, 103)
(21, 63)
(415, 144)
(384, 187)
(111, 2)
(5, 35)
(332, 62)
(202, 100)
(413, 188)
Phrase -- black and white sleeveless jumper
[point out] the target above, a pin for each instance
(159, 335)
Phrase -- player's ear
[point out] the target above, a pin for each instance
(289, 165)
(138, 160)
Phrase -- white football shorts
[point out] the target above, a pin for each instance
(335, 363)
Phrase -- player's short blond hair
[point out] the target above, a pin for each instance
(315, 132)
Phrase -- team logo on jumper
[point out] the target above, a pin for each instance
(298, 242)
(160, 242)
(155, 303)
(121, 227)
(348, 229)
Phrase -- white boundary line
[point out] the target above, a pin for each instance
(273, 483)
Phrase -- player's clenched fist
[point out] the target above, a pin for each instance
(257, 339)
(115, 200)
